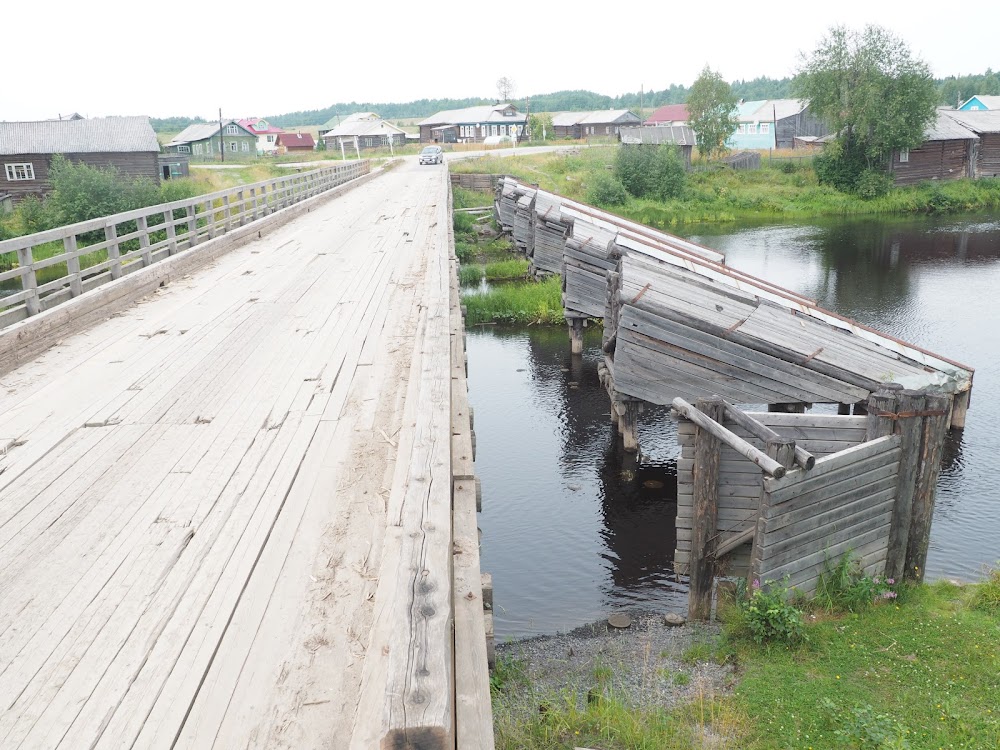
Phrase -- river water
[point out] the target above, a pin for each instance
(572, 529)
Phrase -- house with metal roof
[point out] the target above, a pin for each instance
(473, 124)
(364, 133)
(986, 125)
(980, 102)
(680, 136)
(205, 139)
(267, 134)
(669, 114)
(337, 120)
(774, 123)
(127, 144)
(947, 153)
(602, 122)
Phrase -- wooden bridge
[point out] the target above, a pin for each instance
(237, 500)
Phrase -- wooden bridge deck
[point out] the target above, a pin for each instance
(210, 502)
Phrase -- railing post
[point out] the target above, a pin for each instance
(243, 206)
(114, 252)
(73, 266)
(143, 226)
(253, 202)
(192, 222)
(168, 222)
(29, 282)
(210, 214)
(226, 215)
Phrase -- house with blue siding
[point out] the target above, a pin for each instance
(774, 123)
(980, 101)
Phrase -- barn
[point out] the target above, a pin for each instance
(127, 144)
(947, 153)
(986, 125)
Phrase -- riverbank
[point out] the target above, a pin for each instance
(921, 671)
(783, 188)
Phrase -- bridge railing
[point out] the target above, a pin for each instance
(62, 263)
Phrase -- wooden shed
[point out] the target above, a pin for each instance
(292, 142)
(127, 144)
(680, 136)
(986, 125)
(947, 153)
(602, 122)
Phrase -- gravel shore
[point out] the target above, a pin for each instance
(647, 664)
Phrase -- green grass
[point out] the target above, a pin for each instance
(507, 270)
(774, 192)
(522, 302)
(921, 672)
(470, 274)
(463, 198)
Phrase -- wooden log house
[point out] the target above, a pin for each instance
(985, 162)
(947, 153)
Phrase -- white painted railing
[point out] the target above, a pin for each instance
(137, 239)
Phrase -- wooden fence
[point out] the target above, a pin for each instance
(63, 263)
(754, 500)
(485, 183)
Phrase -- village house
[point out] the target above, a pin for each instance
(774, 123)
(947, 153)
(473, 124)
(292, 142)
(985, 162)
(680, 136)
(267, 134)
(204, 139)
(588, 124)
(669, 114)
(128, 144)
(364, 133)
(336, 121)
(980, 102)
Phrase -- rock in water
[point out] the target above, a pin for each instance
(619, 620)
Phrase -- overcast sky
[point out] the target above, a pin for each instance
(256, 58)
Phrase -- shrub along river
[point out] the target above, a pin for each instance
(573, 528)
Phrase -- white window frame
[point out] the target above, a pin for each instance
(904, 155)
(234, 146)
(270, 139)
(752, 128)
(765, 128)
(20, 171)
(246, 147)
(183, 149)
(742, 129)
(494, 130)
(232, 130)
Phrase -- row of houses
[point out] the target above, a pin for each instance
(251, 136)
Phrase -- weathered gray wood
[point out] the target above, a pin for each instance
(835, 462)
(909, 426)
(802, 457)
(850, 493)
(741, 446)
(882, 407)
(705, 483)
(834, 551)
(960, 408)
(934, 432)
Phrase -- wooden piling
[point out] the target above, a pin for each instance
(707, 453)
(934, 430)
(781, 450)
(909, 429)
(576, 335)
(959, 408)
(882, 407)
(629, 426)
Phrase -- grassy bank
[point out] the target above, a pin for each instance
(484, 254)
(782, 189)
(920, 671)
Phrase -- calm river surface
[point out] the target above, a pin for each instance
(572, 530)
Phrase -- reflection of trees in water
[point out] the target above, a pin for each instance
(638, 500)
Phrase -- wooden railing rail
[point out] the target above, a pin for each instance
(138, 238)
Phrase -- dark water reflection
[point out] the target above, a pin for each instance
(570, 529)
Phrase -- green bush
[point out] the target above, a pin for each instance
(465, 224)
(765, 614)
(873, 184)
(606, 190)
(651, 171)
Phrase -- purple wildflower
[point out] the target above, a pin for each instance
(756, 583)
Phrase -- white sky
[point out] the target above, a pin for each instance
(257, 58)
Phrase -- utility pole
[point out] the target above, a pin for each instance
(222, 146)
(641, 92)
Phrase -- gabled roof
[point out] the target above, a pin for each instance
(364, 127)
(83, 136)
(769, 110)
(337, 120)
(669, 113)
(988, 101)
(250, 123)
(476, 115)
(597, 117)
(679, 135)
(978, 121)
(944, 128)
(296, 140)
(201, 131)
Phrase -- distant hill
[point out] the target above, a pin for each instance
(950, 90)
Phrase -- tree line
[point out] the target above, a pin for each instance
(949, 91)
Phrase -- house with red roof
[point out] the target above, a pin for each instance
(267, 134)
(669, 114)
(292, 142)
